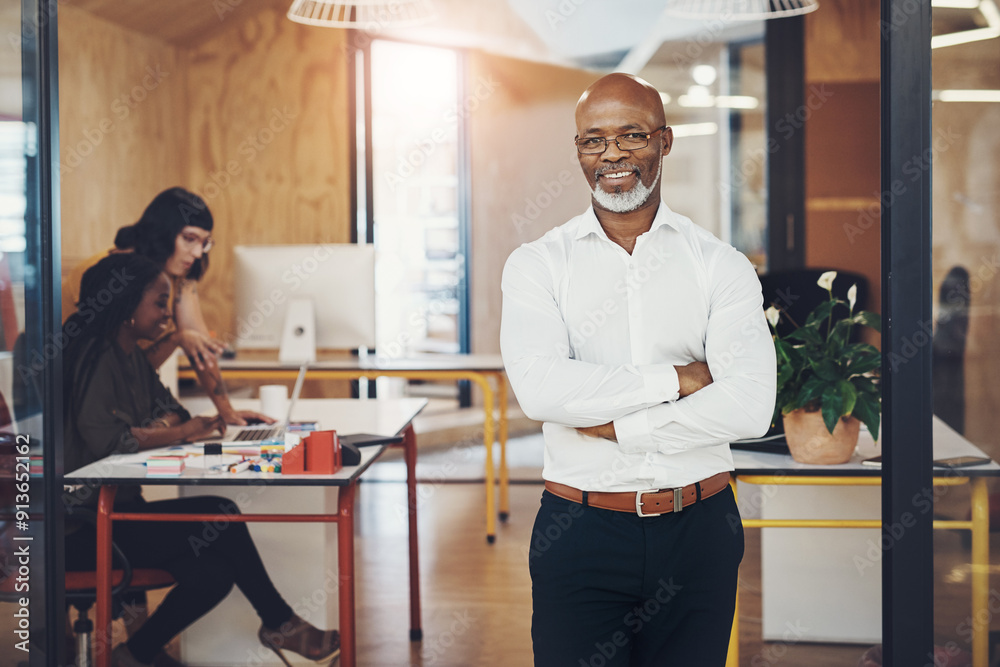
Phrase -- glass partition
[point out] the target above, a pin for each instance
(965, 168)
(28, 618)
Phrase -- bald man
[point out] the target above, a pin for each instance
(639, 339)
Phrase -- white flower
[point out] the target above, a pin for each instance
(852, 296)
(826, 280)
(773, 315)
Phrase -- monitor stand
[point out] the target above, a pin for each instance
(298, 338)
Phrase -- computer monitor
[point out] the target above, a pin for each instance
(339, 279)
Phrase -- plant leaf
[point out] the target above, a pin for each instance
(868, 410)
(811, 390)
(826, 369)
(832, 406)
(849, 395)
(807, 334)
(869, 319)
(820, 313)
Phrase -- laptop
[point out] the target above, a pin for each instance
(261, 432)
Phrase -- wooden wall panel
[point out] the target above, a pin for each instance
(525, 175)
(123, 121)
(842, 41)
(268, 142)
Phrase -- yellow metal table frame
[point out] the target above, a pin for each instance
(979, 525)
(493, 429)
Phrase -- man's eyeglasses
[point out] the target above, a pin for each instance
(192, 240)
(632, 141)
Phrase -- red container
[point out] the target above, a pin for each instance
(293, 462)
(323, 452)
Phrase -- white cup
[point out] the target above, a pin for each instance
(274, 400)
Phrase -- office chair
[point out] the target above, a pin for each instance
(81, 591)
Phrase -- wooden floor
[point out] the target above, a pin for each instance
(477, 597)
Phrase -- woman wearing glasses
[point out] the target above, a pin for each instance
(175, 231)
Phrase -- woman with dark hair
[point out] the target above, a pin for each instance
(114, 403)
(175, 232)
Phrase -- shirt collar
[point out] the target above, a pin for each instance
(589, 224)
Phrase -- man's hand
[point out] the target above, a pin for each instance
(692, 377)
(606, 431)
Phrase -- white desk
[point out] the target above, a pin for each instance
(816, 564)
(477, 368)
(383, 417)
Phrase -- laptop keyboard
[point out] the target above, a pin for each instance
(256, 434)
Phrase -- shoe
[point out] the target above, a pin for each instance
(299, 636)
(122, 657)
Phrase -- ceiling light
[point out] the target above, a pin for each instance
(695, 129)
(697, 96)
(739, 10)
(989, 11)
(736, 102)
(955, 4)
(703, 74)
(369, 15)
(665, 97)
(967, 95)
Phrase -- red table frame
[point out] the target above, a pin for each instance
(345, 553)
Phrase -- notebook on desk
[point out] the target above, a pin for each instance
(262, 432)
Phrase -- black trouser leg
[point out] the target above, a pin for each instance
(206, 559)
(611, 589)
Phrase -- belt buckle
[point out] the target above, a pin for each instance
(638, 501)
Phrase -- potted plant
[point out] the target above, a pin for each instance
(827, 385)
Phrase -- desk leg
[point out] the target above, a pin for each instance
(488, 438)
(345, 557)
(102, 633)
(980, 572)
(733, 657)
(504, 474)
(410, 455)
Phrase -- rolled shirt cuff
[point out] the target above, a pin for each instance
(634, 433)
(662, 383)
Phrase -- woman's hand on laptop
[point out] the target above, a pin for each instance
(245, 417)
(201, 428)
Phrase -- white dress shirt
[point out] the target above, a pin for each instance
(590, 334)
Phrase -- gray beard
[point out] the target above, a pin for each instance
(626, 202)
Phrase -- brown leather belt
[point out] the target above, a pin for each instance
(651, 502)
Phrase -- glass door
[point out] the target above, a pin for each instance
(31, 614)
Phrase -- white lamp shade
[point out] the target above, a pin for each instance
(369, 15)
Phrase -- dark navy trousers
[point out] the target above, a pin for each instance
(612, 589)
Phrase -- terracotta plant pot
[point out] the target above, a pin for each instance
(810, 442)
